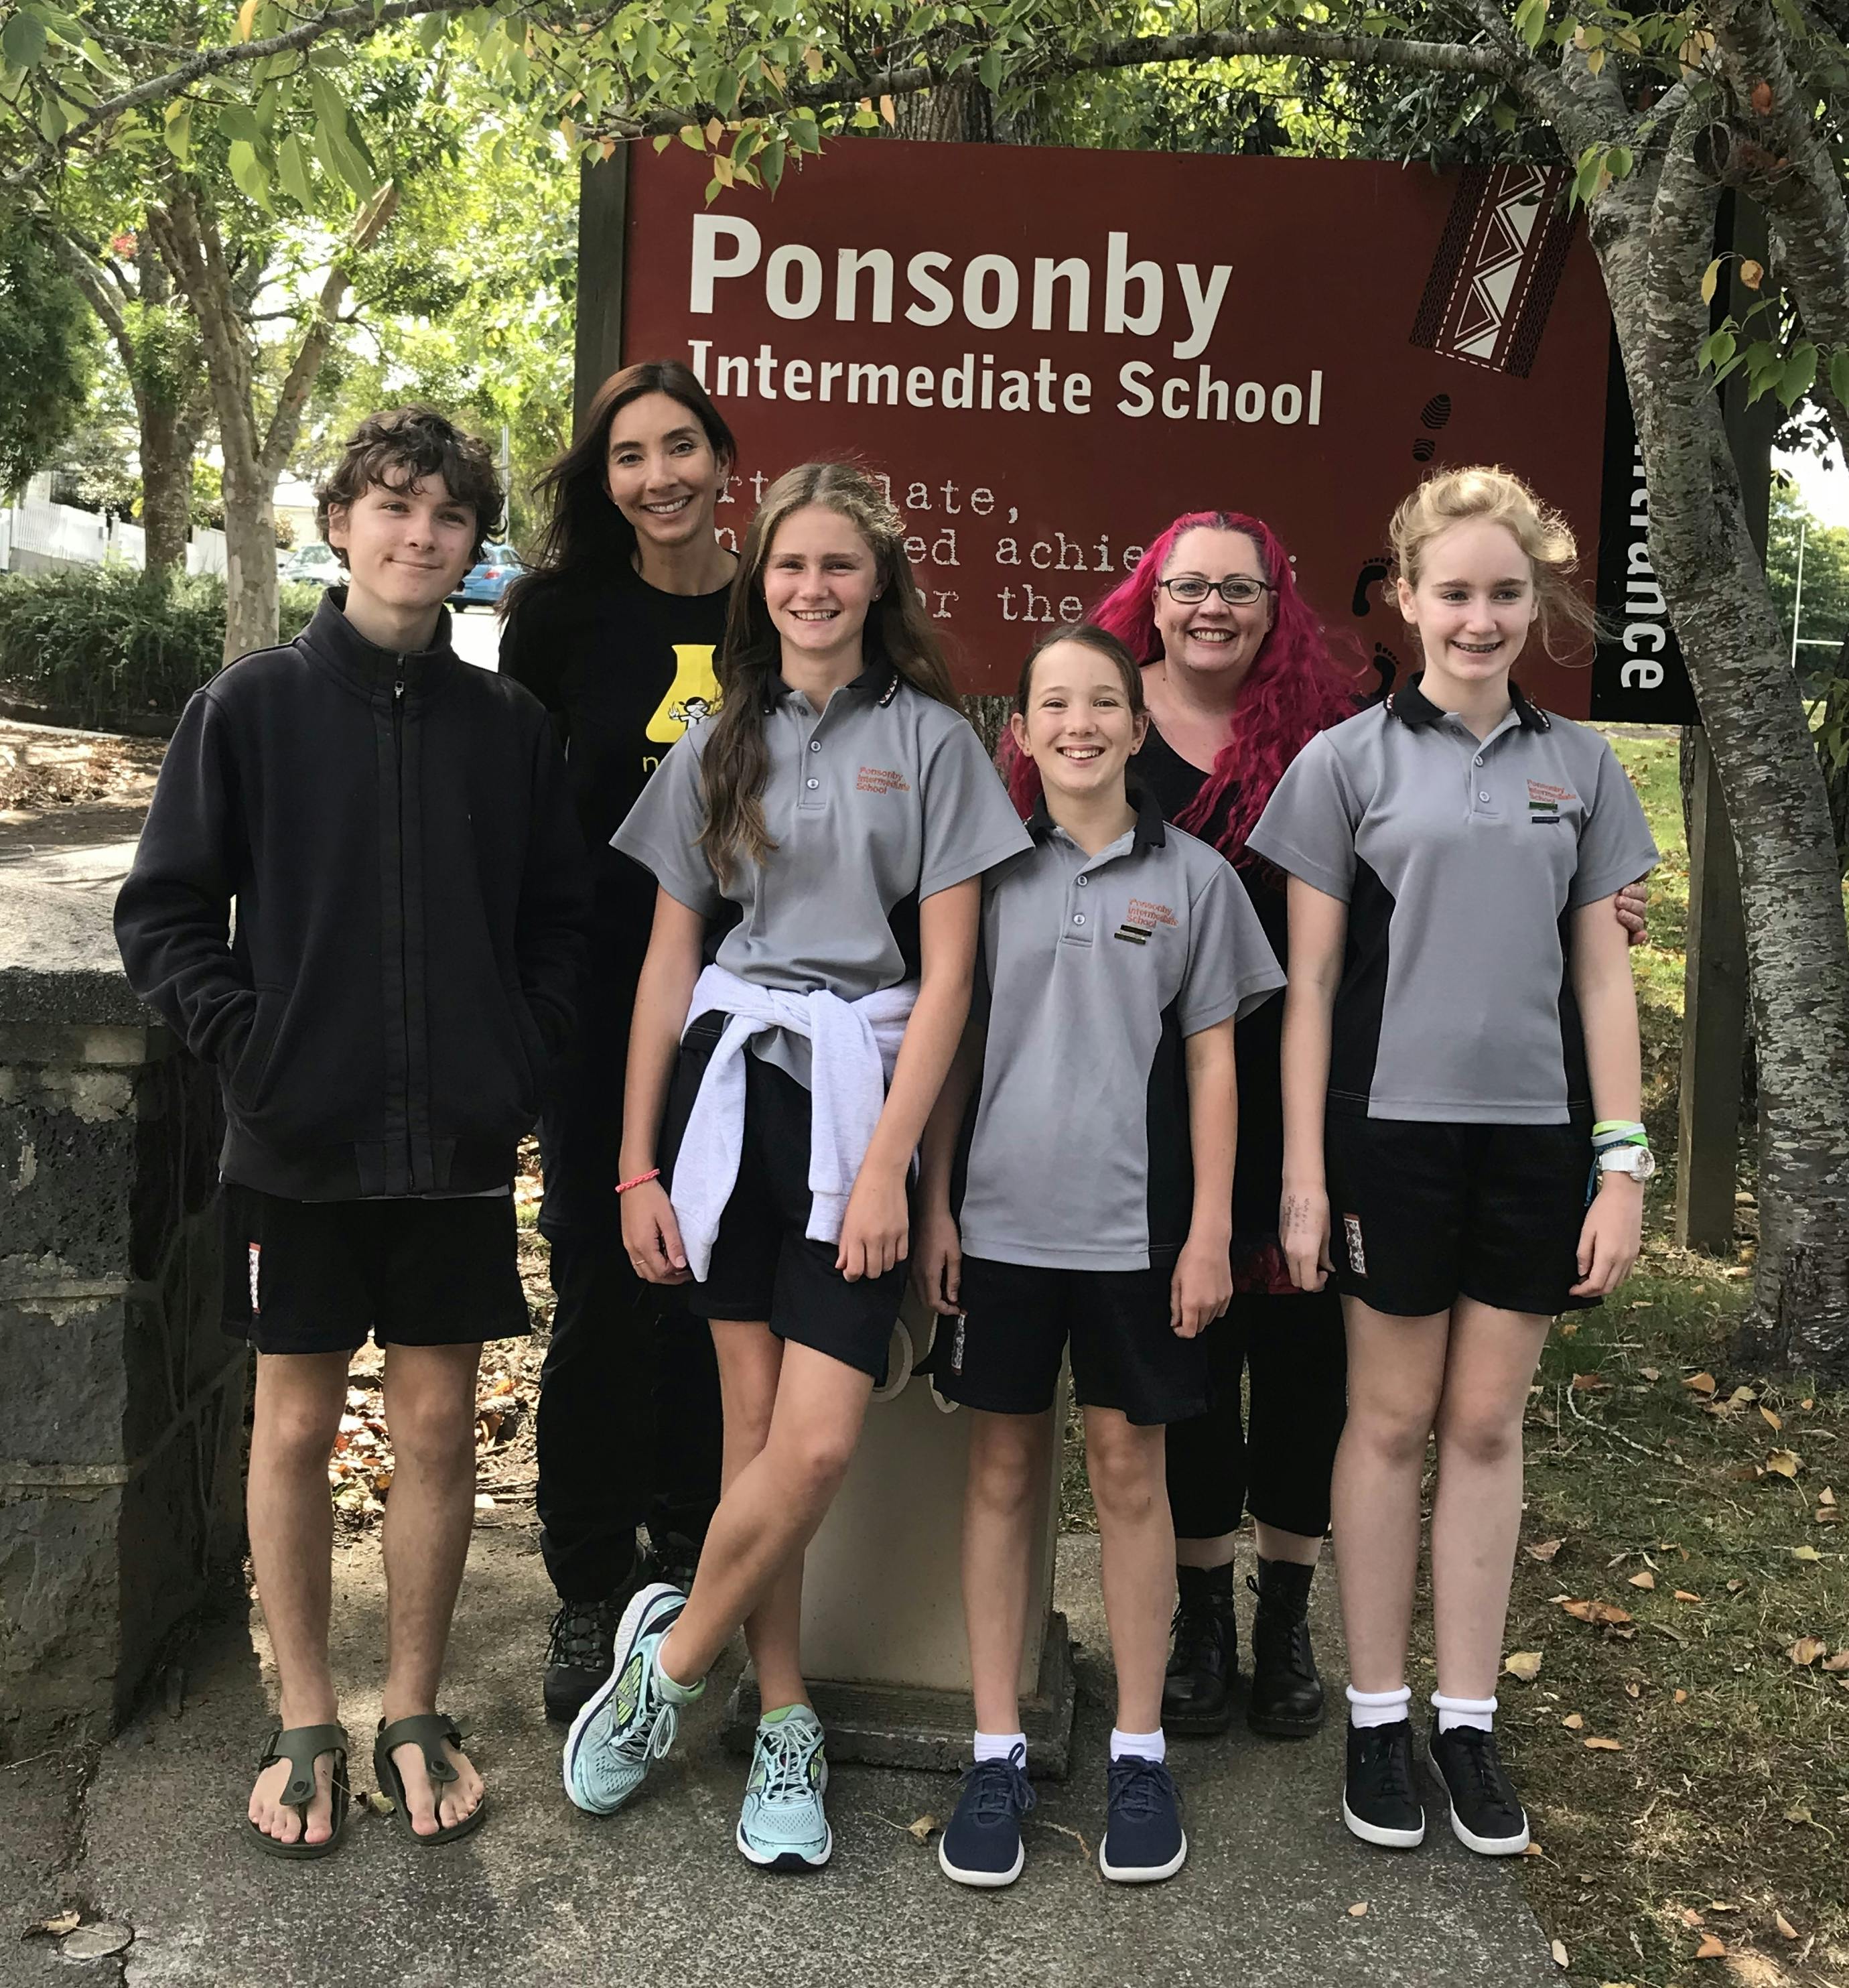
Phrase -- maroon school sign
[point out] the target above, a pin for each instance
(1049, 354)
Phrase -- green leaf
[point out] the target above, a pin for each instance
(1799, 373)
(1711, 278)
(292, 170)
(22, 41)
(770, 163)
(178, 132)
(662, 143)
(989, 69)
(52, 122)
(1839, 376)
(1716, 349)
(431, 30)
(240, 125)
(248, 174)
(692, 136)
(1619, 161)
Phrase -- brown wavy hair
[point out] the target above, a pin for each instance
(898, 632)
(399, 448)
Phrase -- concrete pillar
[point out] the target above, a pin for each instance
(121, 1401)
(883, 1632)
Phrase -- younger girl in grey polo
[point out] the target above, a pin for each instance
(1096, 970)
(881, 799)
(1460, 860)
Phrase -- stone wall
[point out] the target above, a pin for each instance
(121, 1401)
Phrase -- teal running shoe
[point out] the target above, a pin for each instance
(781, 1827)
(629, 1721)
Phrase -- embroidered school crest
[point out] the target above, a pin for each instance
(1544, 801)
(1142, 919)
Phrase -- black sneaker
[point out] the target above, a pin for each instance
(1378, 1801)
(981, 1845)
(580, 1650)
(675, 1556)
(1486, 1813)
(1143, 1840)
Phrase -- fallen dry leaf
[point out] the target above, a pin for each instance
(1807, 1650)
(1711, 1948)
(1585, 1383)
(1702, 1384)
(1633, 1690)
(1605, 1746)
(1558, 1949)
(1596, 1611)
(1691, 1918)
(919, 1827)
(1574, 1722)
(56, 1926)
(1741, 1396)
(1761, 98)
(1534, 1849)
(1784, 1926)
(1684, 1594)
(1646, 1579)
(1523, 1664)
(1798, 1815)
(1838, 1662)
(380, 1804)
(1568, 1328)
(1734, 1586)
(1805, 1553)
(1772, 1420)
(1544, 1550)
(1826, 1496)
(1652, 1373)
(1359, 1911)
(1784, 1462)
(1681, 1697)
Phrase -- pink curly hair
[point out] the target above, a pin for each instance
(1292, 691)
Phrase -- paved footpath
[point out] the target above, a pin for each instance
(658, 1898)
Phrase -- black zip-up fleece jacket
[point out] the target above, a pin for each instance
(412, 890)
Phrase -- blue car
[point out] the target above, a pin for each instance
(485, 582)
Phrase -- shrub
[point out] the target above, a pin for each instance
(107, 645)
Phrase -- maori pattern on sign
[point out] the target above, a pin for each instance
(1497, 268)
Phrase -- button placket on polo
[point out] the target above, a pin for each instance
(1480, 780)
(812, 795)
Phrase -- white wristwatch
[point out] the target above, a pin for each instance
(1638, 1161)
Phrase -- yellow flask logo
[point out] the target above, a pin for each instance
(695, 693)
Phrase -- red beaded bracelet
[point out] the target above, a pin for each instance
(653, 1173)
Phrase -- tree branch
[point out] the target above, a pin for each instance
(286, 421)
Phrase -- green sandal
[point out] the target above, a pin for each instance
(301, 1746)
(428, 1730)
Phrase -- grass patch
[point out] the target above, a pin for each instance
(1729, 1799)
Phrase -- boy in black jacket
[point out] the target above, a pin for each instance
(410, 879)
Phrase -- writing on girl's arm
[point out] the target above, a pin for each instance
(650, 1234)
(1319, 930)
(1202, 1286)
(1603, 987)
(875, 1231)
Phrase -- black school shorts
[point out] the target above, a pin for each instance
(764, 1267)
(316, 1276)
(1003, 1353)
(1421, 1214)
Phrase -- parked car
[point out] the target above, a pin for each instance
(314, 565)
(485, 582)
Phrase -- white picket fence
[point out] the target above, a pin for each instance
(68, 536)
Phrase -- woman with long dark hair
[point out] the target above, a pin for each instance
(616, 630)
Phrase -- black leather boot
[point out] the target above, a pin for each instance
(1286, 1699)
(1197, 1694)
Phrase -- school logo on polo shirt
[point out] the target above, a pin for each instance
(1141, 920)
(881, 780)
(1544, 801)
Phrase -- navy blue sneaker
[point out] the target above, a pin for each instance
(982, 1845)
(1143, 1840)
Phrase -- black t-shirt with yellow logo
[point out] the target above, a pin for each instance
(622, 667)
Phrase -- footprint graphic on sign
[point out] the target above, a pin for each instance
(693, 694)
(1436, 412)
(1371, 575)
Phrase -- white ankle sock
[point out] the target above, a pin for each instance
(1145, 1746)
(1478, 1712)
(999, 1745)
(676, 1694)
(1377, 1708)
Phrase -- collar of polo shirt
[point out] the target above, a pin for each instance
(1412, 707)
(1148, 832)
(878, 681)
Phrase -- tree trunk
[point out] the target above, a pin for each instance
(167, 478)
(1653, 236)
(250, 557)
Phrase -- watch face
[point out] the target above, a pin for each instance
(1638, 1161)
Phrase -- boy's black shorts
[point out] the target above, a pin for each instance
(1422, 1214)
(764, 1267)
(1003, 1353)
(316, 1276)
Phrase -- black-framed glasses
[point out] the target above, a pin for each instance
(1237, 590)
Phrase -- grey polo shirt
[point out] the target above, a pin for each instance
(1096, 970)
(881, 799)
(1459, 861)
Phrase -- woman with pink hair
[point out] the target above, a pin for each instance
(1239, 676)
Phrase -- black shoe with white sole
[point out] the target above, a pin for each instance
(1379, 1803)
(1486, 1813)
